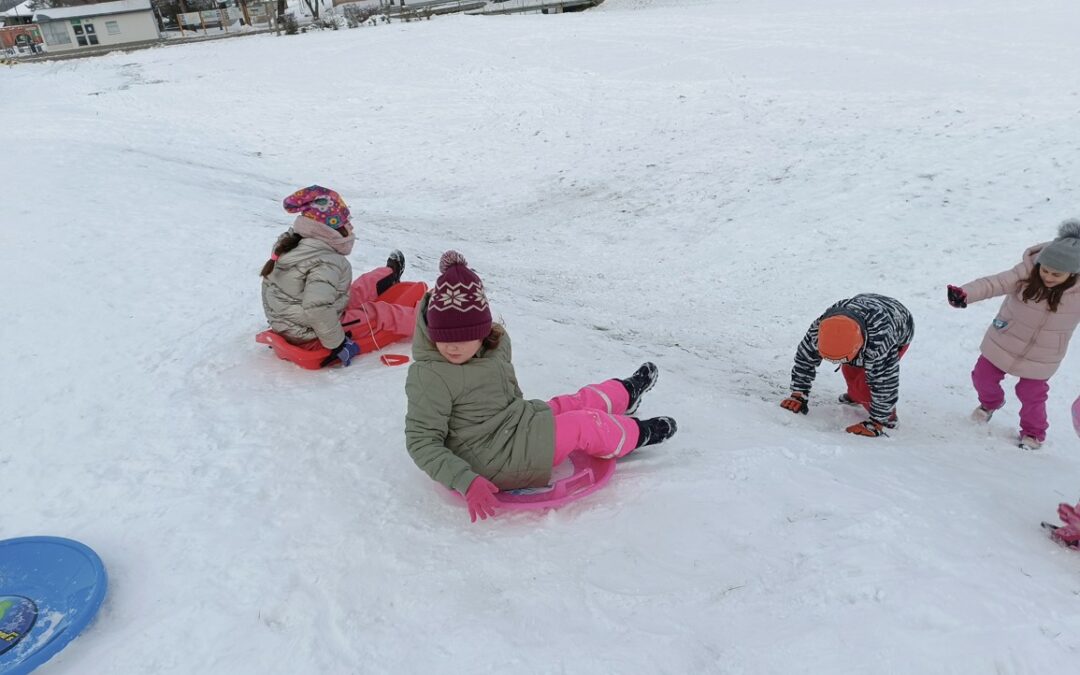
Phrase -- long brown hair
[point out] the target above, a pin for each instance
(494, 337)
(1033, 289)
(285, 243)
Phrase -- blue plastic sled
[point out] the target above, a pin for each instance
(50, 590)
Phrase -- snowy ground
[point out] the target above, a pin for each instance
(689, 182)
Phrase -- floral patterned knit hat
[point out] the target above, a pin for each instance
(320, 204)
(458, 309)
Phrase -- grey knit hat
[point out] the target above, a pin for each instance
(1063, 254)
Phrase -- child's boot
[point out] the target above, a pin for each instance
(396, 262)
(981, 414)
(847, 400)
(655, 430)
(892, 421)
(1029, 443)
(643, 379)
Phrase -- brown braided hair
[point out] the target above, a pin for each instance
(285, 243)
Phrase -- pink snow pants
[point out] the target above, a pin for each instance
(592, 420)
(364, 306)
(1032, 394)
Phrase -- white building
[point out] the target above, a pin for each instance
(105, 24)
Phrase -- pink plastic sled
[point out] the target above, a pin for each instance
(406, 293)
(579, 476)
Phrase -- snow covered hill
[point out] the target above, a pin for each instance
(687, 182)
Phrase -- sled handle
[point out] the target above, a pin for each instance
(574, 483)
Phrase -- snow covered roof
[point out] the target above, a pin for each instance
(21, 9)
(101, 8)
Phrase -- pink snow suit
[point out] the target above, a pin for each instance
(365, 312)
(593, 420)
(1025, 339)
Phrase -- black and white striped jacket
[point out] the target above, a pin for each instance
(887, 326)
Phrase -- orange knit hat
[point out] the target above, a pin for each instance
(839, 337)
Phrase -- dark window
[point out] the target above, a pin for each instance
(85, 34)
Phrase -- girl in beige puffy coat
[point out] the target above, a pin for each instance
(308, 291)
(1030, 334)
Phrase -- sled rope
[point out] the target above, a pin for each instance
(387, 359)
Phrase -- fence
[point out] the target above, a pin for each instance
(250, 13)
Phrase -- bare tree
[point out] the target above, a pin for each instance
(49, 4)
(171, 7)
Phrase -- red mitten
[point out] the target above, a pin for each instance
(481, 498)
(867, 428)
(957, 296)
(796, 403)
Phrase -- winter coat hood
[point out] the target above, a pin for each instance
(311, 229)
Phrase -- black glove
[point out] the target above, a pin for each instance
(957, 297)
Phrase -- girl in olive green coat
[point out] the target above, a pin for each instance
(468, 425)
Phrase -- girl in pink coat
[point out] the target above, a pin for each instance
(1030, 334)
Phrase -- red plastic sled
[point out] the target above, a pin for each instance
(405, 293)
(579, 476)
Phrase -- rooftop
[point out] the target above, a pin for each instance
(99, 9)
(20, 9)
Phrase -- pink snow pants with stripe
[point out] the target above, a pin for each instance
(1032, 394)
(364, 305)
(592, 420)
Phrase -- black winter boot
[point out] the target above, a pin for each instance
(655, 430)
(396, 263)
(643, 379)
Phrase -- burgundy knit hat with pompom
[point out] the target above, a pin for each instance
(458, 309)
